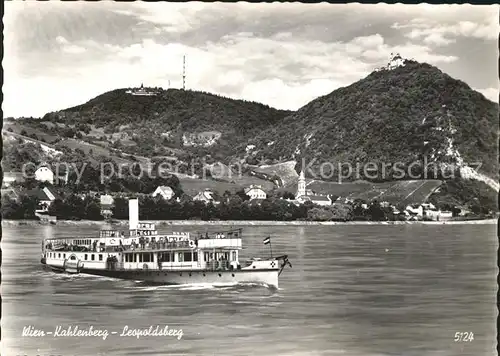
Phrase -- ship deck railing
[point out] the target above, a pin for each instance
(227, 234)
(149, 247)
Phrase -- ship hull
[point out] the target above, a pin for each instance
(268, 277)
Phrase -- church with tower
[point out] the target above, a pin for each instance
(304, 195)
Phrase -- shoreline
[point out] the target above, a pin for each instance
(6, 223)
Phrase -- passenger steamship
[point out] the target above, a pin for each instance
(174, 258)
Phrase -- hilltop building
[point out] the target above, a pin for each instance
(141, 91)
(303, 194)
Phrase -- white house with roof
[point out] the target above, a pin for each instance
(415, 210)
(44, 174)
(255, 192)
(164, 191)
(46, 197)
(206, 196)
(304, 195)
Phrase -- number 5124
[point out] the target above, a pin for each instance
(466, 336)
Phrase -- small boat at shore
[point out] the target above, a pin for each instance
(173, 258)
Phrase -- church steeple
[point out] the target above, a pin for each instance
(301, 187)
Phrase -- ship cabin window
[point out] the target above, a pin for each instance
(180, 256)
(59, 256)
(233, 258)
(100, 257)
(140, 257)
(72, 258)
(86, 256)
(165, 256)
(147, 257)
(92, 257)
(135, 257)
(195, 256)
(188, 256)
(64, 255)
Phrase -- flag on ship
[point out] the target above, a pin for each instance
(267, 240)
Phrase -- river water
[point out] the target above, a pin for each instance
(353, 290)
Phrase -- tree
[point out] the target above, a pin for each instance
(319, 214)
(241, 193)
(226, 195)
(69, 132)
(120, 209)
(376, 212)
(92, 209)
(58, 209)
(341, 212)
(357, 208)
(11, 209)
(28, 206)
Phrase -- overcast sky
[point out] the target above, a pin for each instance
(59, 55)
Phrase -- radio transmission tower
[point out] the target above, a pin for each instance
(184, 73)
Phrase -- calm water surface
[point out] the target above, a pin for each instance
(353, 290)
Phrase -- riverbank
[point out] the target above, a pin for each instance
(246, 223)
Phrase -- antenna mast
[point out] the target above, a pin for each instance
(184, 73)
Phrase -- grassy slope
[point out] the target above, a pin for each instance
(18, 127)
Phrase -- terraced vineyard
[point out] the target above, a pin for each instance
(402, 192)
(397, 192)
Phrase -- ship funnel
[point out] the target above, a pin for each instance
(133, 213)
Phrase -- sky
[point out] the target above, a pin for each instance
(58, 55)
